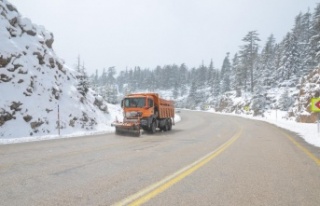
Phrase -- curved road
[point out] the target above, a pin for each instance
(207, 159)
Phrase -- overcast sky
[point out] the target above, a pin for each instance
(147, 33)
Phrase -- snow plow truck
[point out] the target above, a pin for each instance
(146, 111)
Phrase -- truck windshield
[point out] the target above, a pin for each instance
(134, 102)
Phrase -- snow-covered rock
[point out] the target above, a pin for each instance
(35, 82)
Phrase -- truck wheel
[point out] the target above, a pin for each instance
(170, 124)
(166, 126)
(153, 127)
(145, 128)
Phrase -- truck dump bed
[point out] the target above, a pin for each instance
(166, 107)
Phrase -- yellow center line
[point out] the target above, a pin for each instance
(158, 187)
(305, 150)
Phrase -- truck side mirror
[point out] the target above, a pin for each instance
(121, 103)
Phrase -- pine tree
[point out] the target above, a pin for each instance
(267, 63)
(314, 48)
(183, 79)
(285, 101)
(103, 78)
(305, 45)
(290, 61)
(193, 91)
(96, 79)
(226, 66)
(258, 100)
(210, 75)
(249, 54)
(173, 76)
(110, 76)
(121, 80)
(302, 33)
(216, 86)
(175, 92)
(201, 76)
(83, 79)
(158, 77)
(192, 97)
(236, 75)
(152, 82)
(93, 81)
(183, 90)
(225, 74)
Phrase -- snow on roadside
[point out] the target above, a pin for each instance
(102, 128)
(309, 132)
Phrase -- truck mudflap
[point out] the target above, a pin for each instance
(127, 128)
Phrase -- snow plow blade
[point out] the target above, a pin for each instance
(132, 129)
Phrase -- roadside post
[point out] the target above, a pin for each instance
(315, 107)
(58, 120)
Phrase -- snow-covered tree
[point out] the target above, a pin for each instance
(201, 76)
(175, 92)
(258, 101)
(290, 62)
(236, 75)
(267, 63)
(225, 75)
(216, 86)
(211, 74)
(103, 77)
(249, 54)
(83, 79)
(285, 101)
(193, 94)
(110, 75)
(314, 47)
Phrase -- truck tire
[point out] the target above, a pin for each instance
(166, 126)
(145, 128)
(169, 124)
(153, 127)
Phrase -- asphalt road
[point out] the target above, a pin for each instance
(207, 159)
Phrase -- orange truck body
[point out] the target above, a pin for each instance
(145, 111)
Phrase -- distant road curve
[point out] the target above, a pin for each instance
(207, 159)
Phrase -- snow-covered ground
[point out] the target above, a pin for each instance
(102, 128)
(309, 132)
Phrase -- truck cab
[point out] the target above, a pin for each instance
(144, 105)
(142, 108)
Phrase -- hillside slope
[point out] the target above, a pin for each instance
(34, 82)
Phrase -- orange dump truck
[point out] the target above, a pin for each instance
(145, 111)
